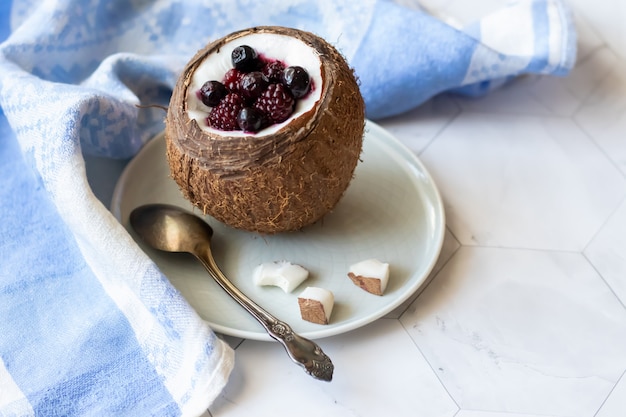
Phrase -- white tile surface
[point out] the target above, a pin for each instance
(417, 128)
(474, 413)
(521, 331)
(607, 252)
(615, 404)
(368, 381)
(607, 17)
(603, 115)
(523, 181)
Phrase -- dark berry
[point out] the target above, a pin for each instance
(212, 92)
(252, 85)
(274, 71)
(250, 119)
(224, 115)
(244, 58)
(276, 103)
(232, 78)
(297, 80)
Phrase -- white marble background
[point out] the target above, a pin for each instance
(524, 315)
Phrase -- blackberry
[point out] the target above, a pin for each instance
(244, 58)
(212, 92)
(224, 115)
(276, 102)
(252, 85)
(274, 71)
(250, 119)
(297, 80)
(232, 79)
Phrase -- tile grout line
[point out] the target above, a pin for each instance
(598, 147)
(445, 388)
(609, 394)
(441, 130)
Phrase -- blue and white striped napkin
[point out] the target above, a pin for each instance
(88, 325)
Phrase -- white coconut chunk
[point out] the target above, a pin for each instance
(287, 49)
(371, 275)
(281, 274)
(316, 305)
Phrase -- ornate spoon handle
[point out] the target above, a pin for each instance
(302, 351)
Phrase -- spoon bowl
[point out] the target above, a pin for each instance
(169, 228)
(172, 229)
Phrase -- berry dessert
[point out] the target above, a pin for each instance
(265, 128)
(257, 92)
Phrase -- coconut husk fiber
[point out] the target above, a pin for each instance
(270, 183)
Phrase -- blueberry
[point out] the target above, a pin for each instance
(250, 119)
(212, 92)
(297, 80)
(244, 58)
(253, 84)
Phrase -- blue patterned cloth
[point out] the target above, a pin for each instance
(88, 324)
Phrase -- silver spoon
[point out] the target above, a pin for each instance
(172, 229)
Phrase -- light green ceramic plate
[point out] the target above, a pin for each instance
(392, 211)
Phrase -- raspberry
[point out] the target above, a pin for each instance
(224, 115)
(276, 103)
(232, 79)
(274, 71)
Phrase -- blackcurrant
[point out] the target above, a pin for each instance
(212, 92)
(244, 58)
(297, 80)
(250, 119)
